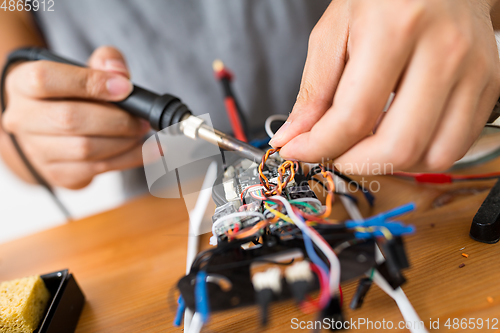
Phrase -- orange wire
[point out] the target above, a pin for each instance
(250, 231)
(330, 188)
(282, 169)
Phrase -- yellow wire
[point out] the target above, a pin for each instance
(383, 230)
(386, 232)
(277, 213)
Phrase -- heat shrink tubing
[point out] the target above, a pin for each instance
(161, 111)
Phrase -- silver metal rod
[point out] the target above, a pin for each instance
(229, 143)
(194, 127)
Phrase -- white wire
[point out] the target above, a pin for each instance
(196, 324)
(272, 118)
(233, 215)
(320, 242)
(404, 305)
(196, 215)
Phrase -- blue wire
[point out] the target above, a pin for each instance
(312, 253)
(180, 311)
(259, 143)
(201, 295)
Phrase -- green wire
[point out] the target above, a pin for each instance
(372, 273)
(305, 204)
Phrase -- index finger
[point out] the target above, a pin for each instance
(375, 65)
(48, 79)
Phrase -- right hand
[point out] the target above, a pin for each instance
(60, 117)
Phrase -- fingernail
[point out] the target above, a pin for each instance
(115, 65)
(119, 86)
(277, 136)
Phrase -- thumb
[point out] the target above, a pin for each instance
(326, 56)
(109, 59)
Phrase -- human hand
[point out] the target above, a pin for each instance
(439, 57)
(60, 117)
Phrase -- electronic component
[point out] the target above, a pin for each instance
(300, 278)
(359, 297)
(265, 285)
(262, 214)
(299, 192)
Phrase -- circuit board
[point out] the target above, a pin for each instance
(265, 219)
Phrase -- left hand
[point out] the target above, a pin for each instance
(439, 57)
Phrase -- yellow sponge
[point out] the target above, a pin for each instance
(22, 304)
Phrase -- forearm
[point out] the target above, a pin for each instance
(16, 30)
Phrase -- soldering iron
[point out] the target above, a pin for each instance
(161, 111)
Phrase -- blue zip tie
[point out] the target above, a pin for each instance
(395, 230)
(180, 311)
(381, 219)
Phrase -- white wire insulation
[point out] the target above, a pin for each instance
(195, 221)
(409, 314)
(196, 324)
(272, 118)
(196, 215)
(320, 242)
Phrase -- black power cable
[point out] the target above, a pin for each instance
(23, 55)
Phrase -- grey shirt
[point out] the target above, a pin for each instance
(170, 46)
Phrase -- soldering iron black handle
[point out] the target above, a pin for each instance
(160, 110)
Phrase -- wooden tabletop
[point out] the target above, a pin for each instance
(128, 260)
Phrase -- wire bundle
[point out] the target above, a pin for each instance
(286, 173)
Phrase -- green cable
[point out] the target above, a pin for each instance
(372, 273)
(305, 204)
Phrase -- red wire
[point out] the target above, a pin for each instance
(246, 190)
(312, 305)
(234, 119)
(444, 178)
(341, 294)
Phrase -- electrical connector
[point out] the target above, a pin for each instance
(333, 312)
(359, 297)
(266, 284)
(299, 277)
(395, 255)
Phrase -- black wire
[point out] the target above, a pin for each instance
(352, 198)
(27, 55)
(317, 170)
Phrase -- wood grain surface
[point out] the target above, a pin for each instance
(128, 260)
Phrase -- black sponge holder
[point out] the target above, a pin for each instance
(486, 223)
(65, 304)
